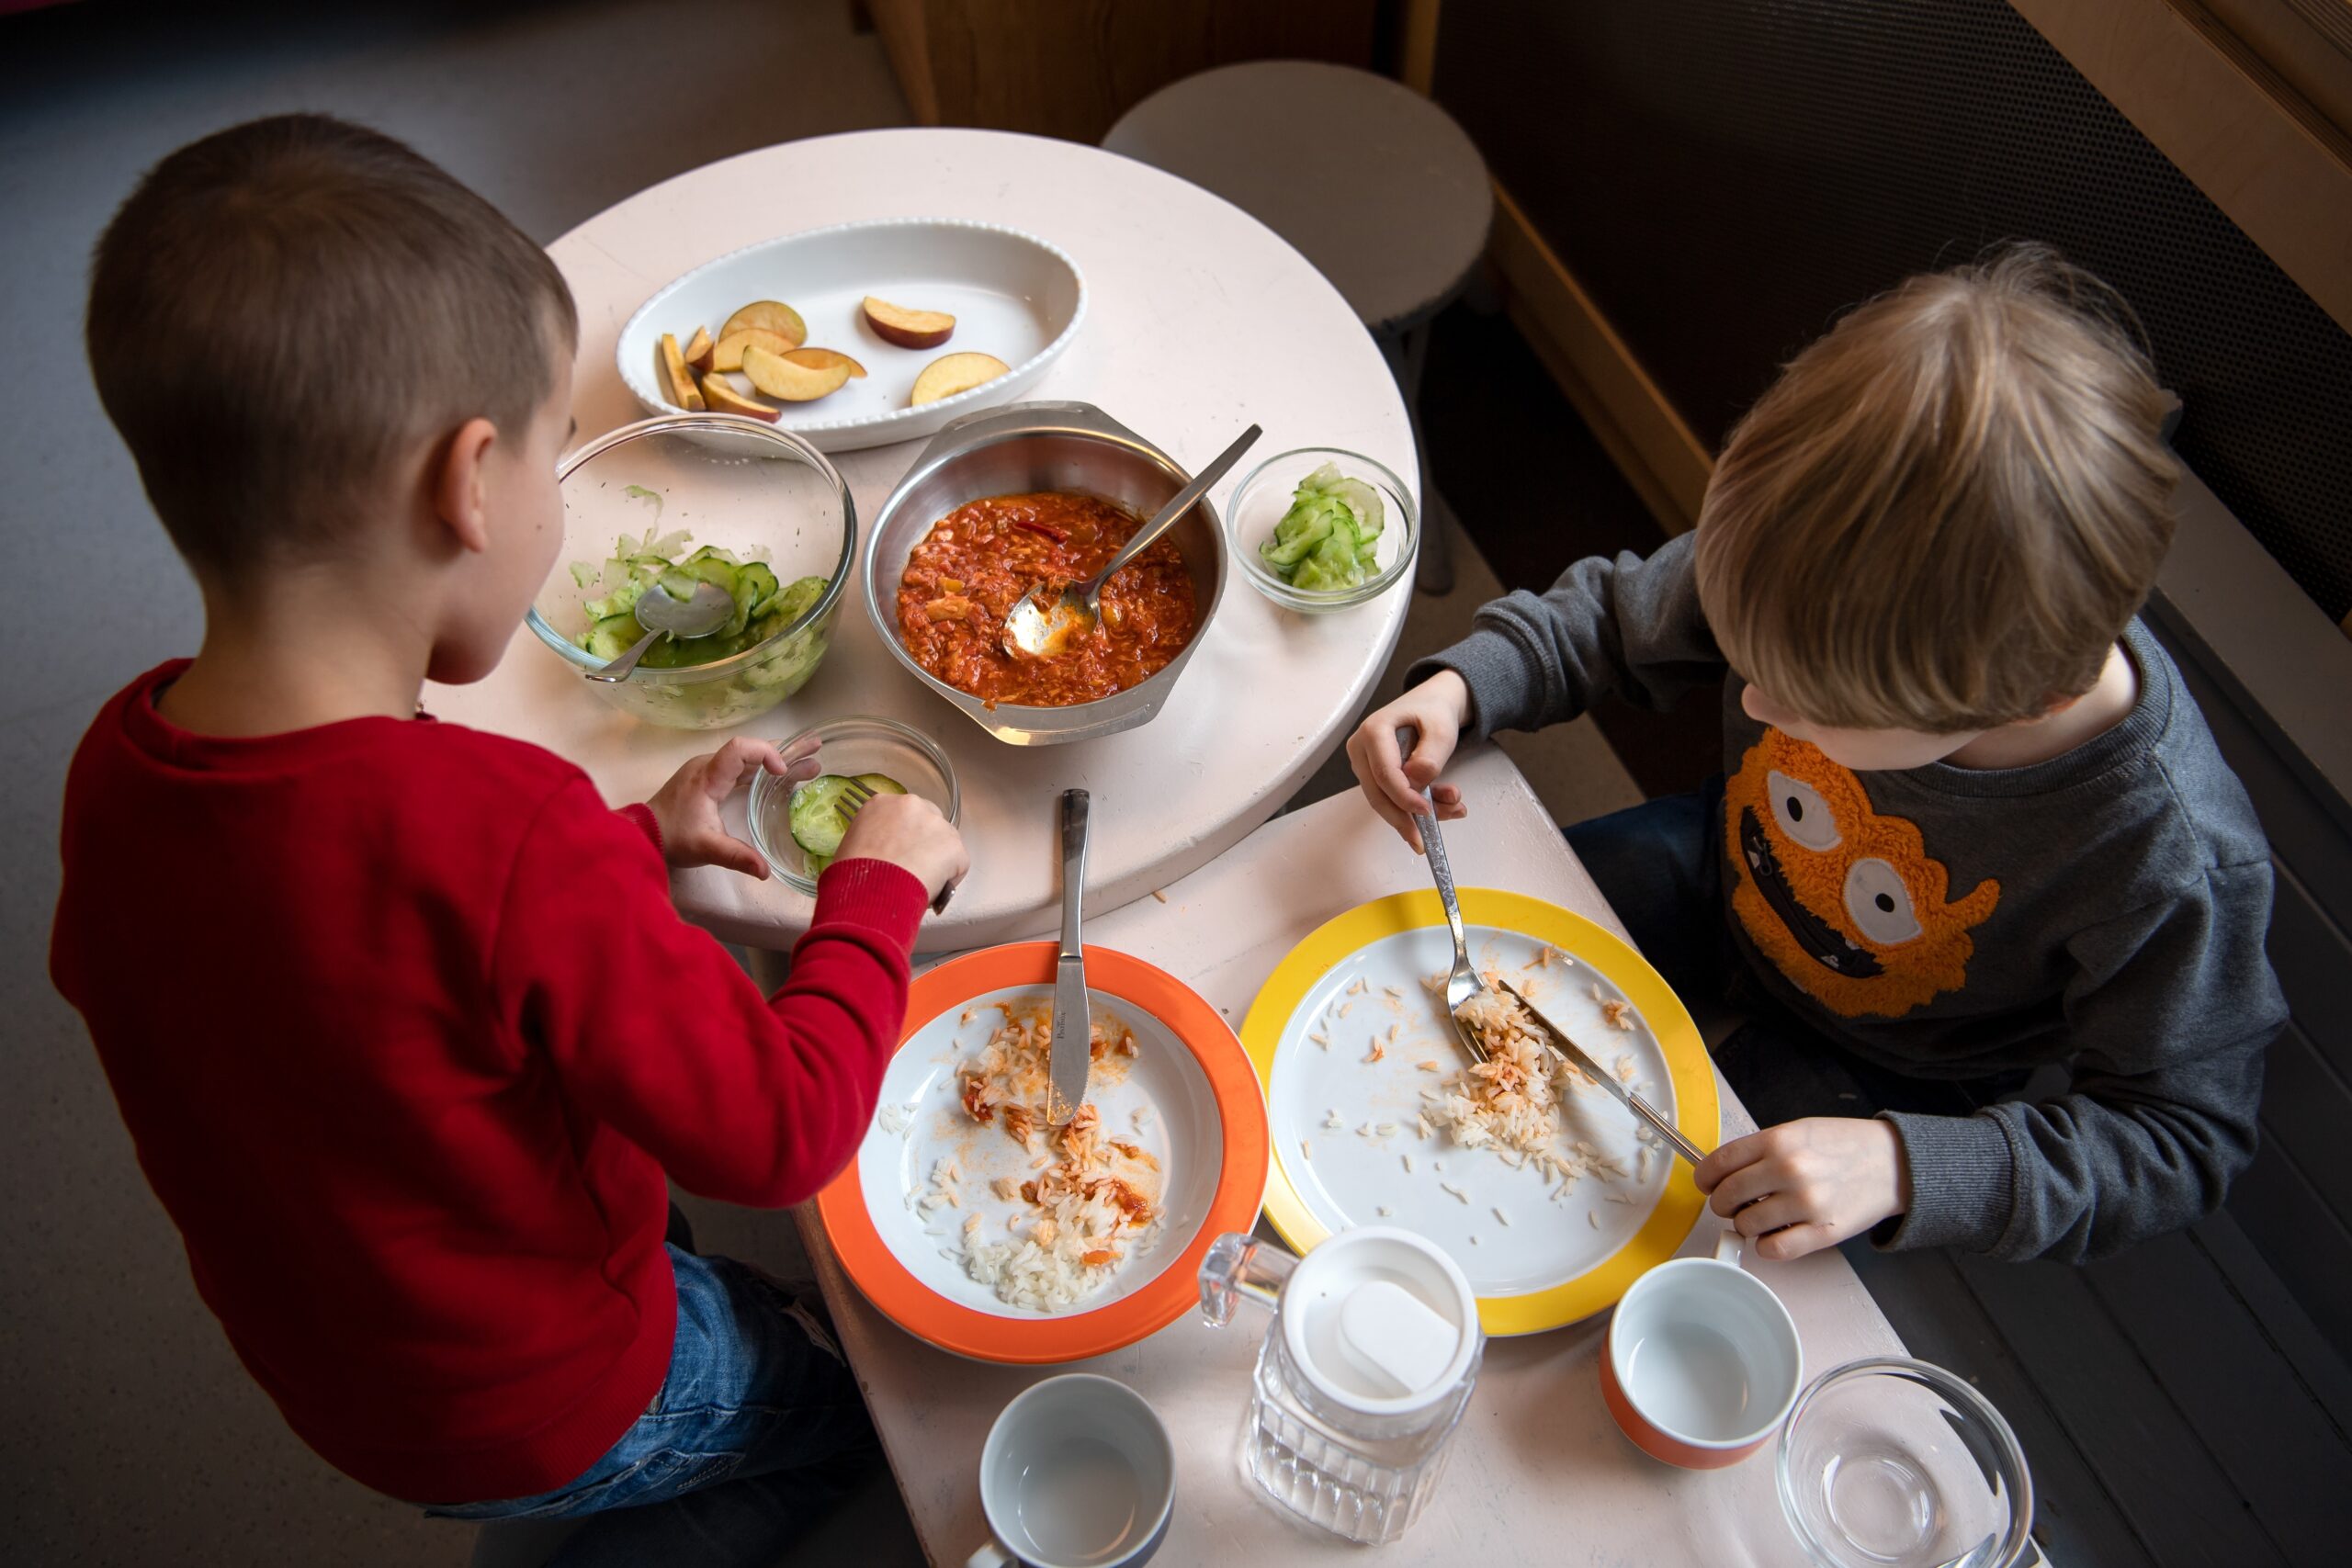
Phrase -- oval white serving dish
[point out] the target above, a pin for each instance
(1013, 295)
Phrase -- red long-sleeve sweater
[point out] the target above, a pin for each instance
(406, 1032)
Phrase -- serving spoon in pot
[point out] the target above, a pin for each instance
(1039, 627)
(698, 614)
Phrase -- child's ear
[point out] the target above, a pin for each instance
(461, 489)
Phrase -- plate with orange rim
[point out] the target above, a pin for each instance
(1187, 1097)
(1350, 1042)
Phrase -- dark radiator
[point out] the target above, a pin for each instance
(1723, 175)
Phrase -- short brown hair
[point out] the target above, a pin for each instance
(1945, 511)
(283, 309)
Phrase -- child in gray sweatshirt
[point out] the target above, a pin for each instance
(1971, 822)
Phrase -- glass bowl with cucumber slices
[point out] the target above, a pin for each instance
(1319, 529)
(665, 505)
(798, 828)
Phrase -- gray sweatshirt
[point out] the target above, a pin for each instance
(2105, 910)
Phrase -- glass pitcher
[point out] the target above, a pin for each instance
(1363, 1374)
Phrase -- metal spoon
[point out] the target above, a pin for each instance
(1040, 630)
(699, 616)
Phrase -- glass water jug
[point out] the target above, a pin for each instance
(1362, 1376)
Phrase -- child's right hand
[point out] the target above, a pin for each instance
(1435, 711)
(909, 832)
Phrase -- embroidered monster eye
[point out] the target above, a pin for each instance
(1880, 904)
(1800, 812)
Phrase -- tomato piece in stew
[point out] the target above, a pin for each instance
(979, 558)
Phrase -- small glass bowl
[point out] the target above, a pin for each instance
(729, 481)
(1262, 498)
(1894, 1463)
(849, 746)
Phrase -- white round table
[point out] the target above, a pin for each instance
(1200, 320)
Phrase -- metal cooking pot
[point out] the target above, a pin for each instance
(1032, 446)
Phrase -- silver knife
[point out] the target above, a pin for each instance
(1073, 1027)
(1606, 1079)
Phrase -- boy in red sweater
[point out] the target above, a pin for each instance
(410, 1078)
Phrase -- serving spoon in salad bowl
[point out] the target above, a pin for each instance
(1040, 625)
(702, 612)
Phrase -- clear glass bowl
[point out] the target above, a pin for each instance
(729, 481)
(849, 746)
(1894, 1463)
(1262, 498)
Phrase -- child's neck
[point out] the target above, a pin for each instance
(2021, 745)
(303, 648)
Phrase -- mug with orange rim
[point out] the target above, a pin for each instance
(1703, 1361)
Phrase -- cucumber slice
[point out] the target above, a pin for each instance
(819, 816)
(796, 600)
(758, 580)
(613, 636)
(817, 821)
(816, 864)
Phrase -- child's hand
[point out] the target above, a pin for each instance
(687, 807)
(1435, 710)
(1808, 1184)
(908, 832)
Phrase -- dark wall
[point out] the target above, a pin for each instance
(1724, 175)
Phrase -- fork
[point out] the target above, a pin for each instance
(1462, 983)
(857, 795)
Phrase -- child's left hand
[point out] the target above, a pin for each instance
(687, 807)
(1808, 1184)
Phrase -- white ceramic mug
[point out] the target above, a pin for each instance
(1703, 1361)
(1077, 1472)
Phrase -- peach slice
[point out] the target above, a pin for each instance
(722, 396)
(907, 329)
(770, 315)
(698, 350)
(780, 377)
(955, 373)
(825, 359)
(680, 382)
(728, 353)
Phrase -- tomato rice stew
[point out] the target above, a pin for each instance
(977, 562)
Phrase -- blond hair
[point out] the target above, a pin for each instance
(1945, 511)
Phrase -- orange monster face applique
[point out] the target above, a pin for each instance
(1845, 902)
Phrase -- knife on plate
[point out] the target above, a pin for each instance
(1582, 1062)
(1073, 1027)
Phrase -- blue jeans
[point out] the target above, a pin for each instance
(1661, 866)
(757, 1431)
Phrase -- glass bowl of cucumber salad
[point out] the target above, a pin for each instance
(798, 828)
(665, 505)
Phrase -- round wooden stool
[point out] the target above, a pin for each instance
(1374, 183)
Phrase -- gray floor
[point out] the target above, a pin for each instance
(133, 1436)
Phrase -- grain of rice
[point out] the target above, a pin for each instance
(1320, 1039)
(1408, 1164)
(1387, 1129)
(1429, 1066)
(1394, 990)
(1378, 1051)
(1592, 1218)
(1457, 1191)
(1306, 1148)
(1500, 1215)
(1383, 1210)
(1473, 1241)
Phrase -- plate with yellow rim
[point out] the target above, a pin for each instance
(1350, 1042)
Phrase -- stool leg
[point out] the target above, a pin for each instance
(1407, 355)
